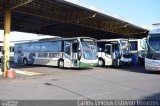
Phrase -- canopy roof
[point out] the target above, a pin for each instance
(63, 18)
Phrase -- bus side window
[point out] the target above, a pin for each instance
(11, 49)
(108, 50)
(44, 47)
(115, 48)
(134, 45)
(143, 43)
(37, 47)
(55, 46)
(19, 49)
(30, 48)
(67, 46)
(0, 48)
(75, 47)
(101, 46)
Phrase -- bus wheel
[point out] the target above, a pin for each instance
(100, 63)
(25, 61)
(61, 64)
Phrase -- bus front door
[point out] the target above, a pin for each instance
(67, 54)
(75, 54)
(108, 54)
(115, 52)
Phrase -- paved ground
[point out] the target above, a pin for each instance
(51, 83)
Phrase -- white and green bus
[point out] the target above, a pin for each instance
(113, 52)
(79, 52)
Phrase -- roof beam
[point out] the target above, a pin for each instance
(64, 15)
(70, 16)
(1, 7)
(0, 4)
(20, 3)
(82, 21)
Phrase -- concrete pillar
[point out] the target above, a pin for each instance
(7, 27)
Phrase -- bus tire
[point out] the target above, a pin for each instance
(61, 63)
(100, 63)
(25, 61)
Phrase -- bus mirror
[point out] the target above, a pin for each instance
(143, 43)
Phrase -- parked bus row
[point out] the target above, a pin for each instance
(80, 52)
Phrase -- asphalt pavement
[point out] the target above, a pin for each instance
(98, 83)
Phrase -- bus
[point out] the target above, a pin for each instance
(11, 51)
(152, 51)
(113, 52)
(136, 48)
(11, 48)
(79, 52)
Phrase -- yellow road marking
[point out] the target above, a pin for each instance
(27, 72)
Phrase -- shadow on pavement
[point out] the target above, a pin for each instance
(152, 97)
(130, 68)
(20, 66)
(138, 69)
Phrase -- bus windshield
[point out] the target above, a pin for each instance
(154, 42)
(125, 44)
(89, 49)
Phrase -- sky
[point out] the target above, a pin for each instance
(143, 13)
(140, 12)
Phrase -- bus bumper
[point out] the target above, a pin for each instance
(152, 67)
(125, 61)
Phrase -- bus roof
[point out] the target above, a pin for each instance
(55, 39)
(134, 39)
(111, 39)
(155, 31)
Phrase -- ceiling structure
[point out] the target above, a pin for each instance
(62, 18)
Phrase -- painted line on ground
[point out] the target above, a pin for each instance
(27, 72)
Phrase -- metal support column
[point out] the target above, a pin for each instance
(7, 27)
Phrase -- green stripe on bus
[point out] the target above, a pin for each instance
(84, 65)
